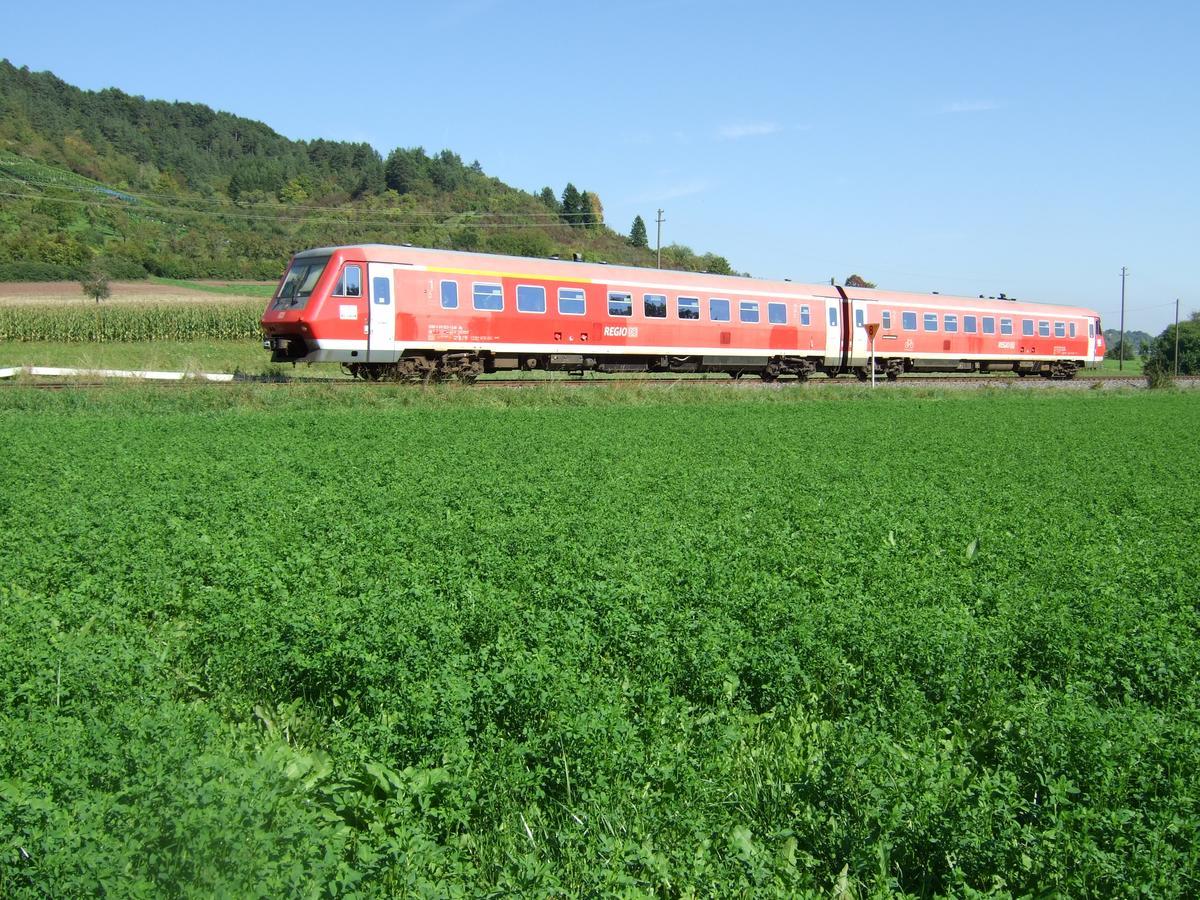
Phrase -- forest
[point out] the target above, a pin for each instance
(135, 187)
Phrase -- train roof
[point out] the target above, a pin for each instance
(669, 279)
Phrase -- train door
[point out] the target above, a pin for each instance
(1093, 327)
(860, 343)
(381, 324)
(833, 333)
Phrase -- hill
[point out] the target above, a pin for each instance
(180, 190)
(1138, 343)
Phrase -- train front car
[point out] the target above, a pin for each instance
(319, 312)
(414, 314)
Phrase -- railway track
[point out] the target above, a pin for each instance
(950, 382)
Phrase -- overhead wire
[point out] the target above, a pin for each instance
(455, 221)
(118, 194)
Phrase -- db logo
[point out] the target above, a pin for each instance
(620, 331)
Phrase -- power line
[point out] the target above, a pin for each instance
(1137, 308)
(658, 242)
(349, 220)
(174, 199)
(1121, 363)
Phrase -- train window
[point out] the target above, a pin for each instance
(777, 313)
(951, 323)
(748, 310)
(930, 322)
(449, 295)
(299, 282)
(1006, 326)
(989, 325)
(1044, 328)
(689, 307)
(1091, 329)
(1072, 329)
(833, 315)
(804, 316)
(488, 297)
(1027, 327)
(349, 283)
(571, 301)
(655, 306)
(620, 304)
(886, 317)
(1060, 329)
(858, 318)
(718, 309)
(909, 321)
(531, 298)
(969, 324)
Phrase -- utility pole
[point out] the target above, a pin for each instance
(1121, 362)
(658, 241)
(1176, 337)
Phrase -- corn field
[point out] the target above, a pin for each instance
(108, 324)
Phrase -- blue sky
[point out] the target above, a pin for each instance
(966, 147)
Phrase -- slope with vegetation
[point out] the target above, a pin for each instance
(133, 186)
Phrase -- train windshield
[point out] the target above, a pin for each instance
(299, 282)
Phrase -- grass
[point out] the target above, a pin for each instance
(247, 357)
(232, 289)
(614, 641)
(1112, 367)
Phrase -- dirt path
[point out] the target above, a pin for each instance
(54, 293)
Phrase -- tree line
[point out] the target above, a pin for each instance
(178, 189)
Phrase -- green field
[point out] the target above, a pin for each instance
(1113, 367)
(234, 289)
(261, 641)
(92, 324)
(246, 356)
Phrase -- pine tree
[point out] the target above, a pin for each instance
(637, 234)
(571, 204)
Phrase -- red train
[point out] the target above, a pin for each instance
(416, 314)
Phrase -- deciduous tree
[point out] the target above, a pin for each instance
(95, 284)
(859, 282)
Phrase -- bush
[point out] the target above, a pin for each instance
(25, 270)
(1158, 373)
(121, 268)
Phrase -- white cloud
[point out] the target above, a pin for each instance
(969, 106)
(737, 131)
(674, 192)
